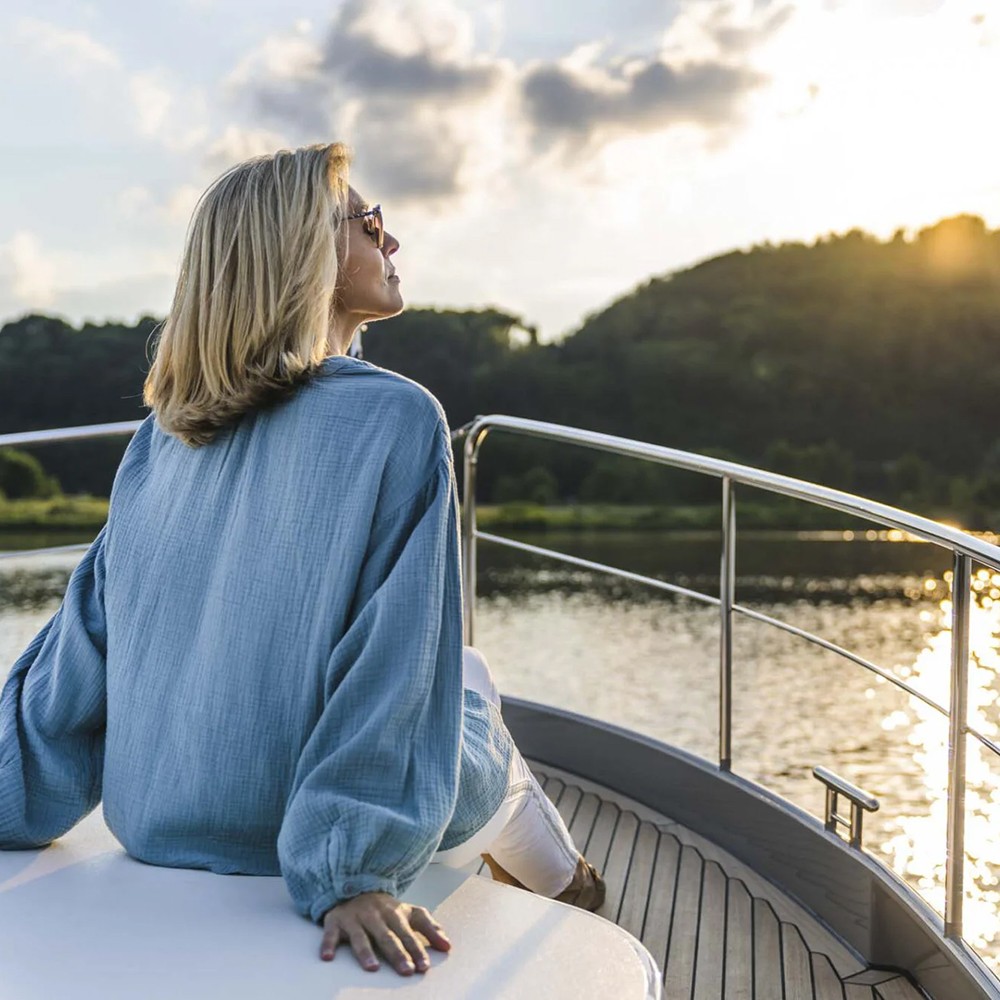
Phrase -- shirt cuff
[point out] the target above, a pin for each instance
(351, 886)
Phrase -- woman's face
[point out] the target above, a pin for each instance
(367, 286)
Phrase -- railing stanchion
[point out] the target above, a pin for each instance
(727, 581)
(470, 452)
(958, 723)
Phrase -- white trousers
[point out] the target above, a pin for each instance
(526, 835)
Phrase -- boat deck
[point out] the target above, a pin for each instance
(715, 928)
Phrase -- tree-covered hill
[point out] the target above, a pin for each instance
(866, 364)
(884, 347)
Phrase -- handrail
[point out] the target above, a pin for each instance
(893, 517)
(860, 800)
(69, 433)
(963, 546)
(674, 588)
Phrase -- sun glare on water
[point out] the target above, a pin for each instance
(917, 851)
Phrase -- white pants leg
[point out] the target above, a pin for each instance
(526, 835)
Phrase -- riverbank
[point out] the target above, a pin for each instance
(76, 513)
(87, 514)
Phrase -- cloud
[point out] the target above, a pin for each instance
(699, 73)
(152, 102)
(425, 112)
(236, 144)
(75, 50)
(401, 83)
(732, 36)
(278, 57)
(78, 285)
(138, 204)
(597, 102)
(176, 119)
(27, 274)
(424, 160)
(125, 298)
(135, 202)
(181, 201)
(415, 59)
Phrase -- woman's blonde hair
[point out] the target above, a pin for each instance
(250, 315)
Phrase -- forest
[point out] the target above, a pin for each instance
(864, 364)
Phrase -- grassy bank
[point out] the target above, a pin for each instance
(679, 517)
(78, 513)
(84, 513)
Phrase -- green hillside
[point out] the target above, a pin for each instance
(864, 364)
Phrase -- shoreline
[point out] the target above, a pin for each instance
(78, 515)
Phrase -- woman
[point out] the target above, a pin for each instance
(258, 663)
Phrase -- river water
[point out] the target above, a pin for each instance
(648, 660)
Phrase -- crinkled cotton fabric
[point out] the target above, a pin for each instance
(258, 662)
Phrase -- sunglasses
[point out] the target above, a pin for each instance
(373, 224)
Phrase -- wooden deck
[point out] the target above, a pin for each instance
(716, 929)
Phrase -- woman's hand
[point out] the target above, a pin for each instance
(398, 929)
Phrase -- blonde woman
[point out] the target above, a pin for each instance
(258, 664)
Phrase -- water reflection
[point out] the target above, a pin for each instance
(915, 850)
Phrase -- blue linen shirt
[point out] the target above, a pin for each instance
(258, 661)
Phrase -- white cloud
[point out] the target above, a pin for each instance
(236, 144)
(277, 57)
(27, 273)
(910, 8)
(80, 284)
(152, 102)
(124, 297)
(180, 204)
(138, 204)
(178, 120)
(135, 202)
(175, 118)
(418, 26)
(75, 50)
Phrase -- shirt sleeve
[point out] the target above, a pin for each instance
(377, 782)
(53, 714)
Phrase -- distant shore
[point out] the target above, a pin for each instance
(76, 515)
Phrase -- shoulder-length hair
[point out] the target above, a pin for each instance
(251, 310)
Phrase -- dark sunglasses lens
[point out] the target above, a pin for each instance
(379, 229)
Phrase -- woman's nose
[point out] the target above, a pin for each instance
(389, 243)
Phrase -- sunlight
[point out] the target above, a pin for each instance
(917, 851)
(900, 136)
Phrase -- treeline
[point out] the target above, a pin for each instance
(868, 365)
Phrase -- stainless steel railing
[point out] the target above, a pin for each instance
(964, 548)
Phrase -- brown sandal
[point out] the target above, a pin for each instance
(586, 889)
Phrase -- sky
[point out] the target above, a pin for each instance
(540, 156)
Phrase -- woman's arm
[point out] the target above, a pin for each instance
(52, 716)
(377, 781)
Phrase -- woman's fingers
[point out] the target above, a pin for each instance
(421, 920)
(331, 938)
(396, 928)
(401, 926)
(390, 945)
(362, 947)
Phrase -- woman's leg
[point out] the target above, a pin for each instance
(526, 835)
